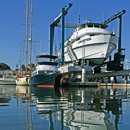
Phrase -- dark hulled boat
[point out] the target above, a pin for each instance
(46, 74)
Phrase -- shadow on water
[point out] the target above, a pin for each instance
(45, 92)
(67, 108)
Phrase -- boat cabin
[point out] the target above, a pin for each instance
(91, 25)
(46, 67)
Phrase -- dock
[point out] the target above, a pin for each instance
(75, 75)
(123, 73)
(81, 84)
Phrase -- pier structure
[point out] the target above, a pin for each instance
(73, 72)
(124, 73)
(76, 73)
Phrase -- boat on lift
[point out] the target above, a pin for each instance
(90, 41)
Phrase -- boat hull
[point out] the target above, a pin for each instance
(96, 49)
(23, 81)
(7, 82)
(45, 80)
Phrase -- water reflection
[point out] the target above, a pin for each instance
(83, 108)
(6, 91)
(86, 111)
(24, 103)
(23, 92)
(65, 108)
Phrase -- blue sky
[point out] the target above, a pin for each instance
(12, 28)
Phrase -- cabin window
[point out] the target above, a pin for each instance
(83, 26)
(79, 28)
(9, 77)
(78, 39)
(95, 34)
(92, 34)
(45, 71)
(34, 73)
(75, 30)
(90, 25)
(102, 26)
(51, 71)
(41, 72)
(96, 26)
(73, 41)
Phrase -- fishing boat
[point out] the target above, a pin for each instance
(23, 79)
(8, 80)
(46, 74)
(90, 41)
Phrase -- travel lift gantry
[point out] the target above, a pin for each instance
(119, 57)
(55, 23)
(115, 64)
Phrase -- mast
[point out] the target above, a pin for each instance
(30, 40)
(20, 59)
(26, 55)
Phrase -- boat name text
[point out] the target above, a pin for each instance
(84, 40)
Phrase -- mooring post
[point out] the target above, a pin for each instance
(115, 80)
(83, 74)
(109, 80)
(125, 79)
(102, 79)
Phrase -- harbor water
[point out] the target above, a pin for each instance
(77, 108)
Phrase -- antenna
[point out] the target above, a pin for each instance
(79, 15)
(102, 11)
(113, 30)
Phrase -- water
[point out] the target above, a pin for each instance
(102, 108)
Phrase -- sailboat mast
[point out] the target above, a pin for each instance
(30, 40)
(20, 58)
(26, 57)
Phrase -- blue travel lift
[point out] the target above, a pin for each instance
(111, 64)
(55, 23)
(119, 57)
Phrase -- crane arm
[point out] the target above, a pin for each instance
(114, 17)
(57, 19)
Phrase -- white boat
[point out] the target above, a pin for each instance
(90, 41)
(7, 80)
(23, 79)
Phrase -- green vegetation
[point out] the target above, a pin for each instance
(23, 67)
(4, 66)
